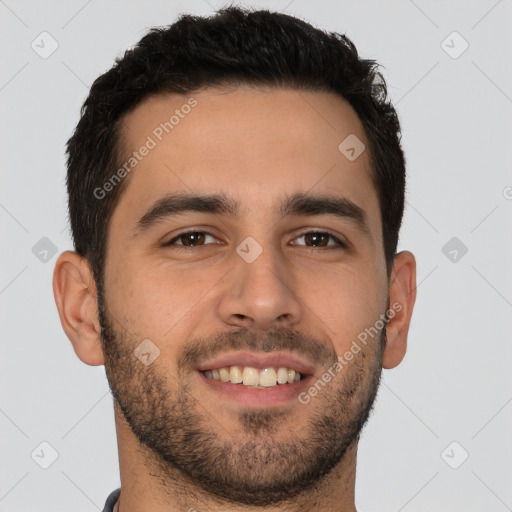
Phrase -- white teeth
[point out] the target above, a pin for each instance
(235, 374)
(282, 375)
(251, 376)
(268, 377)
(224, 374)
(248, 376)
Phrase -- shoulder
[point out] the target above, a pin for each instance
(111, 500)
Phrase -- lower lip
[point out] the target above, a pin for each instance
(279, 394)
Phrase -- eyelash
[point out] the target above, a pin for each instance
(181, 247)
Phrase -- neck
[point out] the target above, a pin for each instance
(145, 487)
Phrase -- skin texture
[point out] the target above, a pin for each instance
(181, 446)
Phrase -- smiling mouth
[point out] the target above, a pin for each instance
(261, 378)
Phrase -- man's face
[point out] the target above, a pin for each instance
(253, 289)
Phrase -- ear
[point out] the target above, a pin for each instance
(402, 295)
(75, 295)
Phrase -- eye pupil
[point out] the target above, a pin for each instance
(193, 237)
(315, 237)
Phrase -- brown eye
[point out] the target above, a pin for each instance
(320, 239)
(190, 239)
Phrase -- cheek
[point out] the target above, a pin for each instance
(348, 302)
(156, 301)
(164, 302)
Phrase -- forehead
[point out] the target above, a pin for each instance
(254, 145)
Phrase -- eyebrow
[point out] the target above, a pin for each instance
(299, 204)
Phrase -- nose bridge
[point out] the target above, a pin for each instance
(259, 292)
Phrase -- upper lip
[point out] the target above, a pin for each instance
(275, 359)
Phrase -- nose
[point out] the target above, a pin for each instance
(260, 295)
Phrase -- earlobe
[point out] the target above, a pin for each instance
(402, 295)
(74, 290)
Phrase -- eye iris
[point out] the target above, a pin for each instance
(192, 237)
(315, 237)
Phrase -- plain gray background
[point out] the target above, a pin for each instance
(451, 396)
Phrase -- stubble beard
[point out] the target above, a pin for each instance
(257, 469)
